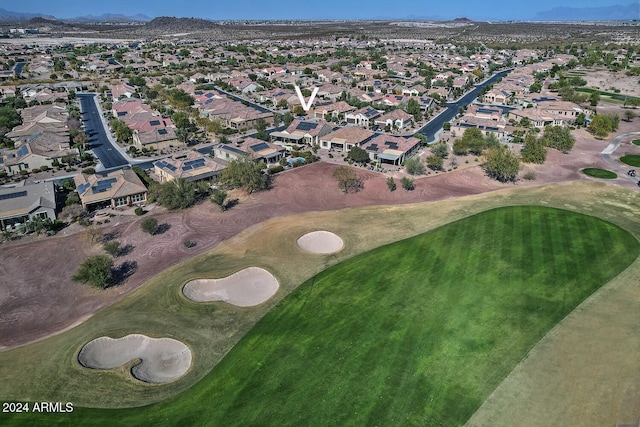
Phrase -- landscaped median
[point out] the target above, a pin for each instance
(416, 332)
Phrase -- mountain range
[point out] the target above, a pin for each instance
(9, 16)
(605, 13)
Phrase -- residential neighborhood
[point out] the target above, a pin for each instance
(289, 213)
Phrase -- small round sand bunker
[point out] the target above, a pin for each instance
(246, 288)
(161, 359)
(321, 242)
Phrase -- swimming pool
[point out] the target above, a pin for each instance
(296, 160)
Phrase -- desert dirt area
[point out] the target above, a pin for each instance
(38, 297)
(608, 81)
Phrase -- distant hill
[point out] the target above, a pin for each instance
(463, 20)
(9, 16)
(169, 23)
(111, 17)
(605, 13)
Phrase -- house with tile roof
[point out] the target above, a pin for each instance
(398, 119)
(302, 132)
(189, 165)
(38, 150)
(23, 202)
(112, 189)
(345, 138)
(260, 151)
(391, 149)
(362, 117)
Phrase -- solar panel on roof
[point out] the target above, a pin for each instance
(186, 168)
(154, 122)
(171, 167)
(162, 131)
(305, 126)
(13, 195)
(160, 164)
(391, 145)
(234, 149)
(83, 187)
(122, 113)
(373, 147)
(259, 147)
(34, 136)
(22, 151)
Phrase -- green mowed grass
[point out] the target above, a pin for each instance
(636, 141)
(612, 95)
(417, 332)
(599, 173)
(631, 160)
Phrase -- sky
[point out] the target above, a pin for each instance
(302, 9)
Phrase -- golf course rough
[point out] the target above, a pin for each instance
(417, 332)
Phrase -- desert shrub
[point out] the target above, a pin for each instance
(348, 179)
(407, 183)
(274, 170)
(149, 225)
(391, 184)
(414, 166)
(435, 162)
(139, 211)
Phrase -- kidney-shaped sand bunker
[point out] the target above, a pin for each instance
(246, 288)
(161, 359)
(320, 242)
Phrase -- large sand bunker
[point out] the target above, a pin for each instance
(320, 242)
(161, 359)
(246, 288)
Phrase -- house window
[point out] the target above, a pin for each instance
(42, 215)
(121, 201)
(136, 198)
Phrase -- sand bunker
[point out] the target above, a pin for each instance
(246, 288)
(320, 242)
(162, 359)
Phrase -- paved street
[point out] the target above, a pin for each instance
(99, 140)
(435, 125)
(610, 149)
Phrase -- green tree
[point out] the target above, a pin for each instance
(414, 166)
(149, 225)
(348, 179)
(72, 199)
(218, 197)
(287, 118)
(358, 155)
(244, 173)
(440, 149)
(501, 164)
(558, 137)
(95, 271)
(534, 150)
(594, 98)
(629, 115)
(175, 194)
(535, 87)
(112, 248)
(298, 110)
